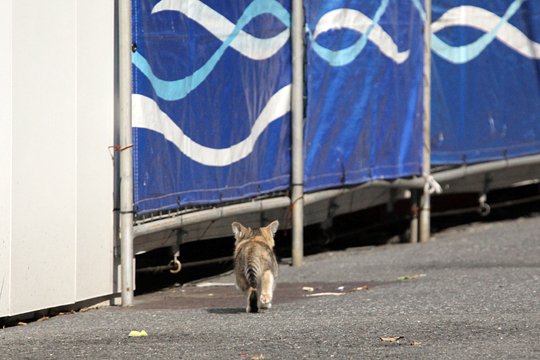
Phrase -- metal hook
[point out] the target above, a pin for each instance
(483, 207)
(176, 263)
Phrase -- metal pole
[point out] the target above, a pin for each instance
(416, 184)
(413, 238)
(475, 169)
(213, 214)
(125, 151)
(425, 201)
(297, 103)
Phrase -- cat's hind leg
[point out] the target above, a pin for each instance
(267, 290)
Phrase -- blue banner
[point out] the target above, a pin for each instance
(364, 91)
(486, 80)
(211, 93)
(211, 101)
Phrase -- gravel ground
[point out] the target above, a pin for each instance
(472, 292)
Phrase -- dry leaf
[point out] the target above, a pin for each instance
(308, 289)
(135, 333)
(253, 357)
(361, 288)
(391, 339)
(415, 343)
(410, 277)
(22, 323)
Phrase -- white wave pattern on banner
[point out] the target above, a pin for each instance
(146, 112)
(172, 90)
(148, 115)
(495, 27)
(491, 24)
(219, 26)
(355, 20)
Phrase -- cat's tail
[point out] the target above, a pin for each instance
(251, 272)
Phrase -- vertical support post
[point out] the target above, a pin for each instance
(297, 106)
(126, 165)
(413, 238)
(425, 201)
(116, 161)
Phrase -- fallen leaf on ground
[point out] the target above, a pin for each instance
(410, 277)
(415, 343)
(253, 357)
(391, 339)
(135, 333)
(361, 288)
(308, 289)
(22, 323)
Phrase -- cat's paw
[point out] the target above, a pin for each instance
(265, 299)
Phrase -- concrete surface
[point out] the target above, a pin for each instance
(473, 292)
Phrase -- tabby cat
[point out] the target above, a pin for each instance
(255, 264)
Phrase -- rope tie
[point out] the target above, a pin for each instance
(288, 214)
(118, 148)
(431, 185)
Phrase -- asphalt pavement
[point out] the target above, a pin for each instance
(472, 292)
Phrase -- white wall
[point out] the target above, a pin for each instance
(5, 154)
(44, 153)
(58, 229)
(95, 112)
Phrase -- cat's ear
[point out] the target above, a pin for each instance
(238, 230)
(273, 227)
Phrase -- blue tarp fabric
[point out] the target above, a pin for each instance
(364, 92)
(211, 101)
(212, 81)
(486, 80)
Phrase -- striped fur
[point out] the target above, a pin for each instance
(255, 264)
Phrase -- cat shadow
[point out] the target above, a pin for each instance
(226, 311)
